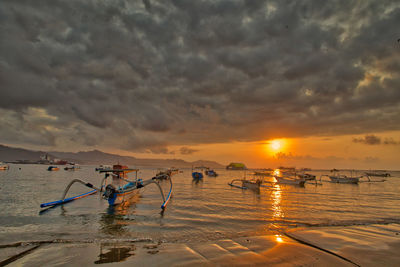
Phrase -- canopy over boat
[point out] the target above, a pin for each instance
(236, 166)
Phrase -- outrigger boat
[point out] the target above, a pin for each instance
(253, 184)
(336, 177)
(117, 188)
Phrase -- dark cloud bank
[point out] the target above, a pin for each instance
(143, 75)
(375, 140)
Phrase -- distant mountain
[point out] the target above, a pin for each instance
(14, 154)
(96, 157)
(92, 157)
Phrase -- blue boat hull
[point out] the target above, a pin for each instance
(197, 175)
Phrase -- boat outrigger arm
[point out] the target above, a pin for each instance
(134, 185)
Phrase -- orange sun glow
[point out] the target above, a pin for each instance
(276, 145)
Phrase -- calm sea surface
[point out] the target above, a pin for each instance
(203, 211)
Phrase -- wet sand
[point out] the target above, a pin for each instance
(373, 245)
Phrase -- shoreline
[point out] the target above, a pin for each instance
(371, 245)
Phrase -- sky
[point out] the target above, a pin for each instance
(301, 83)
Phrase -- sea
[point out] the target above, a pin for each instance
(198, 211)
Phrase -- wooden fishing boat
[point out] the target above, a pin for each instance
(117, 187)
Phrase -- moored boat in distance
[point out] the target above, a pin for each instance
(264, 172)
(236, 166)
(103, 168)
(4, 166)
(289, 180)
(378, 173)
(336, 177)
(197, 173)
(288, 175)
(166, 173)
(306, 176)
(343, 179)
(72, 168)
(53, 168)
(211, 173)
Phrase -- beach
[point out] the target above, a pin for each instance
(373, 245)
(206, 223)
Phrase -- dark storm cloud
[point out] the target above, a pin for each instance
(143, 75)
(291, 156)
(375, 140)
(368, 140)
(187, 151)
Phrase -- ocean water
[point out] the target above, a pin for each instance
(202, 211)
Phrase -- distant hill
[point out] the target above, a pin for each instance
(96, 157)
(14, 154)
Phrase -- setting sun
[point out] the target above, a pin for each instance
(276, 145)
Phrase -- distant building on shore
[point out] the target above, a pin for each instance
(236, 166)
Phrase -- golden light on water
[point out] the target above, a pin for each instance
(278, 238)
(276, 202)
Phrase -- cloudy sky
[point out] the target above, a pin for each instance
(217, 80)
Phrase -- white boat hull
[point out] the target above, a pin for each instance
(344, 180)
(251, 185)
(282, 180)
(122, 197)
